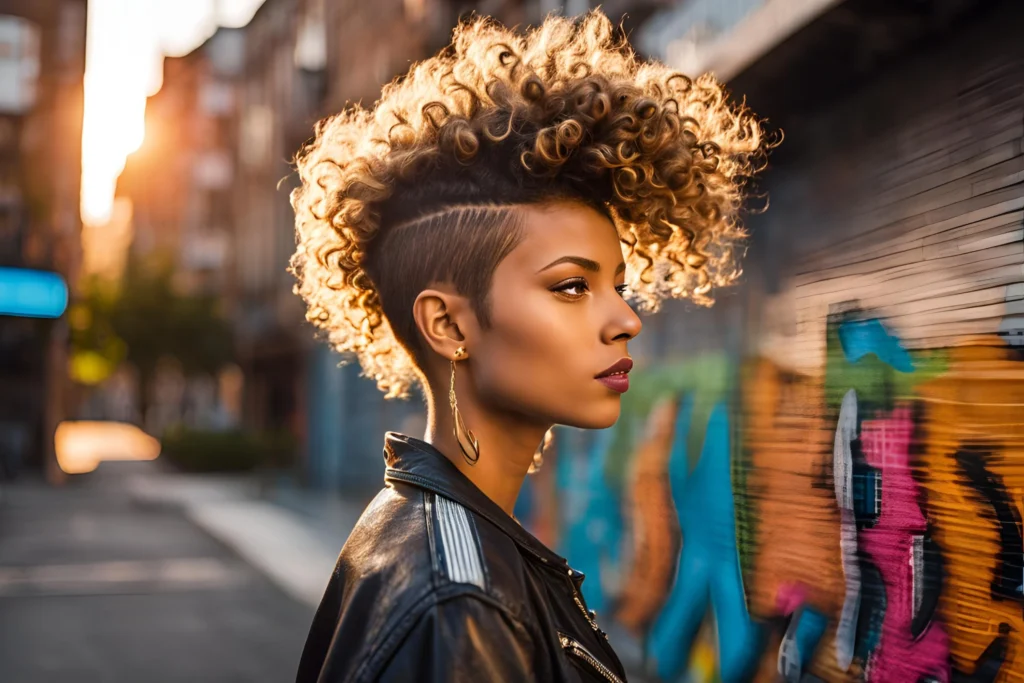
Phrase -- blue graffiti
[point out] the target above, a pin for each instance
(594, 527)
(801, 640)
(860, 338)
(709, 568)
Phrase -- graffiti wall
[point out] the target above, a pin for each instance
(744, 522)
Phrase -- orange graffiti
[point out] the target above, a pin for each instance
(656, 534)
(788, 442)
(978, 402)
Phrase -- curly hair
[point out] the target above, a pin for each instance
(499, 119)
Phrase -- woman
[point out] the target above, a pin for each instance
(475, 233)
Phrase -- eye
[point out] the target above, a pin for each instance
(623, 290)
(573, 288)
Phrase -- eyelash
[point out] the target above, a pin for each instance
(572, 283)
(578, 282)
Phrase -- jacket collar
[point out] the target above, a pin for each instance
(418, 463)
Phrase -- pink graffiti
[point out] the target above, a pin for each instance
(892, 544)
(790, 596)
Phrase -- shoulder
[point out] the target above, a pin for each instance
(419, 537)
(468, 549)
(411, 552)
(456, 548)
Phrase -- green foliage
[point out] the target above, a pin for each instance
(143, 319)
(229, 451)
(96, 349)
(144, 316)
(202, 336)
(155, 321)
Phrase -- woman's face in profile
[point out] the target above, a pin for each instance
(556, 346)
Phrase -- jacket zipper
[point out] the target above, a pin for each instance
(590, 616)
(573, 646)
(583, 608)
(586, 614)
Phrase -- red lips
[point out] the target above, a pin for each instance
(616, 377)
(623, 365)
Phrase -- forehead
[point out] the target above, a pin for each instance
(551, 231)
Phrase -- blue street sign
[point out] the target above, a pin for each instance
(32, 293)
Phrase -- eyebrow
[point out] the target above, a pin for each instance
(584, 263)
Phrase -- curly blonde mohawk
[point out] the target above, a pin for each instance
(497, 119)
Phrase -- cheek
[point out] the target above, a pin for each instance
(530, 346)
(539, 357)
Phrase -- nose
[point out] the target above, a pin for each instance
(622, 324)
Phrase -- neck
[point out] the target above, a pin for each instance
(507, 446)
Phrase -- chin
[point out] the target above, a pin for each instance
(601, 416)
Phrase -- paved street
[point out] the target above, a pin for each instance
(97, 588)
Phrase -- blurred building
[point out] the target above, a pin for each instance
(177, 190)
(42, 62)
(276, 96)
(179, 182)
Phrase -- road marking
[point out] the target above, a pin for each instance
(120, 577)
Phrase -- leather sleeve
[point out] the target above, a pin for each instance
(464, 639)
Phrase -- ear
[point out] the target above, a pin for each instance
(444, 319)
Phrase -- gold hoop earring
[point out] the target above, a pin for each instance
(538, 456)
(467, 440)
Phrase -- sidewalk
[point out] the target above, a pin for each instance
(293, 537)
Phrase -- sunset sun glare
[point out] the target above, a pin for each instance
(127, 40)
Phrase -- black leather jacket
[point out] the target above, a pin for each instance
(436, 583)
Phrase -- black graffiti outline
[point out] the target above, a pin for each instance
(990, 490)
(988, 665)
